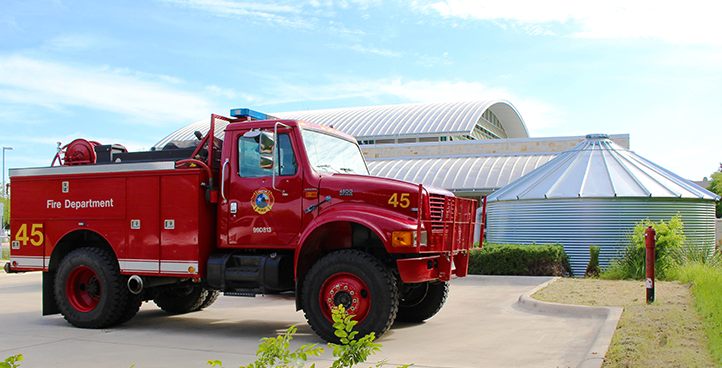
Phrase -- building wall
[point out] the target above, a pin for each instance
(480, 147)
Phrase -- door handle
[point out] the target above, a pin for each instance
(223, 180)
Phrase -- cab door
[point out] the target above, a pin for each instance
(259, 214)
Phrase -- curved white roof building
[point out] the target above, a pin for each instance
(409, 123)
(421, 122)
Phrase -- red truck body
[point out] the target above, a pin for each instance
(112, 227)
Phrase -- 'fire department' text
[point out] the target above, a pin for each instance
(90, 203)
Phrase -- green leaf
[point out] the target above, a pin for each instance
(340, 333)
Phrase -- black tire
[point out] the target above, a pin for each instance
(211, 297)
(182, 299)
(131, 308)
(422, 301)
(88, 288)
(371, 295)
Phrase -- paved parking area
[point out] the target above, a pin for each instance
(482, 325)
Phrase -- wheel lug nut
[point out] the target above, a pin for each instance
(345, 287)
(352, 292)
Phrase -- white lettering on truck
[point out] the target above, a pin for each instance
(90, 203)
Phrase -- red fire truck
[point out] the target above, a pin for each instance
(257, 205)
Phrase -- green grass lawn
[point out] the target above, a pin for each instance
(706, 284)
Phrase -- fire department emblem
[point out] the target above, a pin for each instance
(262, 200)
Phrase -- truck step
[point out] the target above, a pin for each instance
(240, 293)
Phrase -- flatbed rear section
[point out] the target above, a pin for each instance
(153, 215)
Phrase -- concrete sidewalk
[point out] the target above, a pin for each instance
(484, 324)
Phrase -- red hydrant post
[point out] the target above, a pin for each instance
(649, 242)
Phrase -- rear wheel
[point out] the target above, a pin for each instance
(422, 301)
(357, 281)
(131, 308)
(88, 288)
(181, 299)
(211, 297)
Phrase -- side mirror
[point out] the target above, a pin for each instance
(266, 161)
(265, 140)
(265, 147)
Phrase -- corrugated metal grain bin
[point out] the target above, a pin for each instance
(593, 194)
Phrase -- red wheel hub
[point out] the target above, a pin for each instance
(348, 290)
(83, 289)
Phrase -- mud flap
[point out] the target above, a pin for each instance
(49, 305)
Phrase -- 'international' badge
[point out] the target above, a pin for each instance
(262, 200)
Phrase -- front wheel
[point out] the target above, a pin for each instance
(88, 288)
(422, 301)
(357, 281)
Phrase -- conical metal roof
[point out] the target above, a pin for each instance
(600, 168)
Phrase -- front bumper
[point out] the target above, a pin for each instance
(438, 267)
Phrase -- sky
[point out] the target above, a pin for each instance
(132, 72)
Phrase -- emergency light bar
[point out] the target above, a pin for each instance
(248, 113)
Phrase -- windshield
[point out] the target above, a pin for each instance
(333, 155)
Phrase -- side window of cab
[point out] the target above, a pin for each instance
(249, 158)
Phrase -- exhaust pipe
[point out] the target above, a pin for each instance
(135, 284)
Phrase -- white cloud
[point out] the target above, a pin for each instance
(692, 22)
(287, 15)
(66, 42)
(154, 98)
(537, 114)
(373, 50)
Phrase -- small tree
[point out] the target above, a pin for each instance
(715, 185)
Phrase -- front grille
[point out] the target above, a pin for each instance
(437, 204)
(450, 223)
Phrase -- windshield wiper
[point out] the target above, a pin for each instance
(328, 167)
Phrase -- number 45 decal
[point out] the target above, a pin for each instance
(36, 237)
(401, 200)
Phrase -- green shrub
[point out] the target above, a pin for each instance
(706, 282)
(519, 259)
(593, 265)
(631, 263)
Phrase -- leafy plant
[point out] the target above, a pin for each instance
(351, 351)
(276, 353)
(12, 362)
(631, 264)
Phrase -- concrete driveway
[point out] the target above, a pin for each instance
(482, 325)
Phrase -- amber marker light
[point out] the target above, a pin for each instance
(191, 269)
(402, 238)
